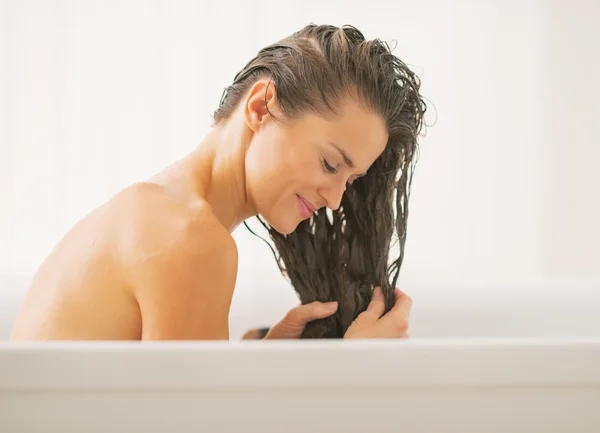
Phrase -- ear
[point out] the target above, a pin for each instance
(260, 100)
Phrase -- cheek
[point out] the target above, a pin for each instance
(262, 155)
(277, 166)
(309, 174)
(268, 171)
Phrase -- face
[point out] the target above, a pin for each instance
(296, 167)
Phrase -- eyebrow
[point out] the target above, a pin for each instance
(347, 159)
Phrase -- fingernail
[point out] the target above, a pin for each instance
(331, 305)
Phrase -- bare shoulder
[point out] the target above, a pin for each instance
(179, 261)
(152, 220)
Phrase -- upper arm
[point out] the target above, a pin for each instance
(183, 277)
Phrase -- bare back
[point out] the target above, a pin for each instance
(142, 266)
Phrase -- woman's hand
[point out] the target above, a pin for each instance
(371, 324)
(292, 325)
(368, 324)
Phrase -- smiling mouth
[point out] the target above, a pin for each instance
(306, 208)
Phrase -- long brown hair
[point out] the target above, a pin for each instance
(341, 255)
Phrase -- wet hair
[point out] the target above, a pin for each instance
(341, 255)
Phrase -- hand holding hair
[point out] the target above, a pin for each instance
(371, 323)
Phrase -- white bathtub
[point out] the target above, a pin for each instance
(483, 358)
(422, 385)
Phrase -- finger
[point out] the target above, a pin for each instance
(398, 293)
(403, 303)
(292, 325)
(396, 321)
(377, 305)
(303, 314)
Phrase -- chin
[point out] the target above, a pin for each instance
(282, 224)
(284, 228)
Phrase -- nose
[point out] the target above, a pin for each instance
(333, 194)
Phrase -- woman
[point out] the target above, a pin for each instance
(322, 119)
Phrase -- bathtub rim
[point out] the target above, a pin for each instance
(262, 365)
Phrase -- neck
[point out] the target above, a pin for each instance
(216, 171)
(226, 189)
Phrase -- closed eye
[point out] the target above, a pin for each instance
(328, 167)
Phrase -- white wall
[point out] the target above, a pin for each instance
(95, 95)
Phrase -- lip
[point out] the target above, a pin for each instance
(306, 207)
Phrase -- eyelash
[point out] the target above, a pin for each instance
(329, 168)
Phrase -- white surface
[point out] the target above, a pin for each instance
(415, 386)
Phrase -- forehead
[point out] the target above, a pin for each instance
(359, 132)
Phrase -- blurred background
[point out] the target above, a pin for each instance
(95, 95)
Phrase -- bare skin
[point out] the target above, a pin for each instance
(158, 262)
